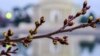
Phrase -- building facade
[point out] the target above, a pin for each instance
(55, 11)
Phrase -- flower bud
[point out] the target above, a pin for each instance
(42, 20)
(29, 37)
(6, 36)
(10, 33)
(84, 4)
(65, 21)
(37, 24)
(55, 42)
(30, 31)
(70, 23)
(70, 17)
(62, 42)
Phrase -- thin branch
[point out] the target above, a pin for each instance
(67, 22)
(53, 33)
(62, 29)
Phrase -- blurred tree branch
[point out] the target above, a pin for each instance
(67, 23)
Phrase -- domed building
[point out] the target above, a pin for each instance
(55, 11)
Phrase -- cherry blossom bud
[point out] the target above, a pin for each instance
(70, 17)
(10, 33)
(65, 21)
(31, 31)
(37, 24)
(6, 36)
(55, 42)
(42, 20)
(84, 4)
(70, 23)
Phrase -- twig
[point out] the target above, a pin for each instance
(27, 40)
(53, 33)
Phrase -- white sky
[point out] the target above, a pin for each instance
(7, 5)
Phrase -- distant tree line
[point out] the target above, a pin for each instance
(19, 15)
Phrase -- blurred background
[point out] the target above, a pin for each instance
(20, 15)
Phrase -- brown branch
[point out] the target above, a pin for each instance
(55, 32)
(67, 22)
(62, 29)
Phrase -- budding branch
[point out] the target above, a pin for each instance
(67, 22)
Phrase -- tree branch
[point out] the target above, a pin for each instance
(55, 32)
(67, 22)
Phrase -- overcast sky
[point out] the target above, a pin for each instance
(7, 5)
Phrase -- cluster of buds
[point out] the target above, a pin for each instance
(82, 12)
(84, 9)
(68, 22)
(91, 19)
(37, 24)
(8, 44)
(62, 41)
(7, 41)
(8, 34)
(7, 53)
(28, 39)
